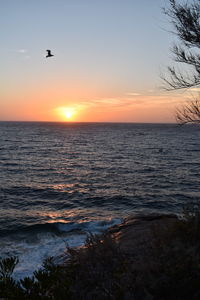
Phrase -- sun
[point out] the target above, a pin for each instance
(66, 113)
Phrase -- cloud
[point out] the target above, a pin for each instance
(21, 51)
(112, 103)
(133, 94)
(196, 89)
(126, 103)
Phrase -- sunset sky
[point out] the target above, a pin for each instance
(109, 55)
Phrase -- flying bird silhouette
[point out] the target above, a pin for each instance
(49, 54)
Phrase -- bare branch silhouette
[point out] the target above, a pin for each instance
(185, 18)
(189, 113)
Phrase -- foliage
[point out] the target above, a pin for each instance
(185, 19)
(101, 270)
(7, 266)
(186, 22)
(189, 113)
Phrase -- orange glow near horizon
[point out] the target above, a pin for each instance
(99, 72)
(66, 113)
(147, 107)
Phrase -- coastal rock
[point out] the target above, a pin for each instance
(136, 233)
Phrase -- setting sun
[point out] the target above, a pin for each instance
(66, 113)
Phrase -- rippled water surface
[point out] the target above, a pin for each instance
(59, 180)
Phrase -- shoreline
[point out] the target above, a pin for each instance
(138, 229)
(148, 256)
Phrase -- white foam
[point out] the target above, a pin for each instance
(32, 254)
(90, 226)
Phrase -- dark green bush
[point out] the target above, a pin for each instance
(101, 270)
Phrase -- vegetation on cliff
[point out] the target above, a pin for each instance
(169, 269)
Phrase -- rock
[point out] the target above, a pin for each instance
(136, 233)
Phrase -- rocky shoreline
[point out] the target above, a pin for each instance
(146, 257)
(135, 233)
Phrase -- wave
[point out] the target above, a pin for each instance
(90, 226)
(61, 228)
(35, 243)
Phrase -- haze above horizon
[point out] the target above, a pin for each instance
(107, 60)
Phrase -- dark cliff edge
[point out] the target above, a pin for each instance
(136, 233)
(154, 256)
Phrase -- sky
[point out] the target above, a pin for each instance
(108, 57)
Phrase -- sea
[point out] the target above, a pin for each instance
(60, 182)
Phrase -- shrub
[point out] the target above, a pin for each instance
(101, 270)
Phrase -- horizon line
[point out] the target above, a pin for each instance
(92, 122)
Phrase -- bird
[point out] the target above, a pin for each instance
(49, 54)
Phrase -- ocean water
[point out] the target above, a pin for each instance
(59, 181)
